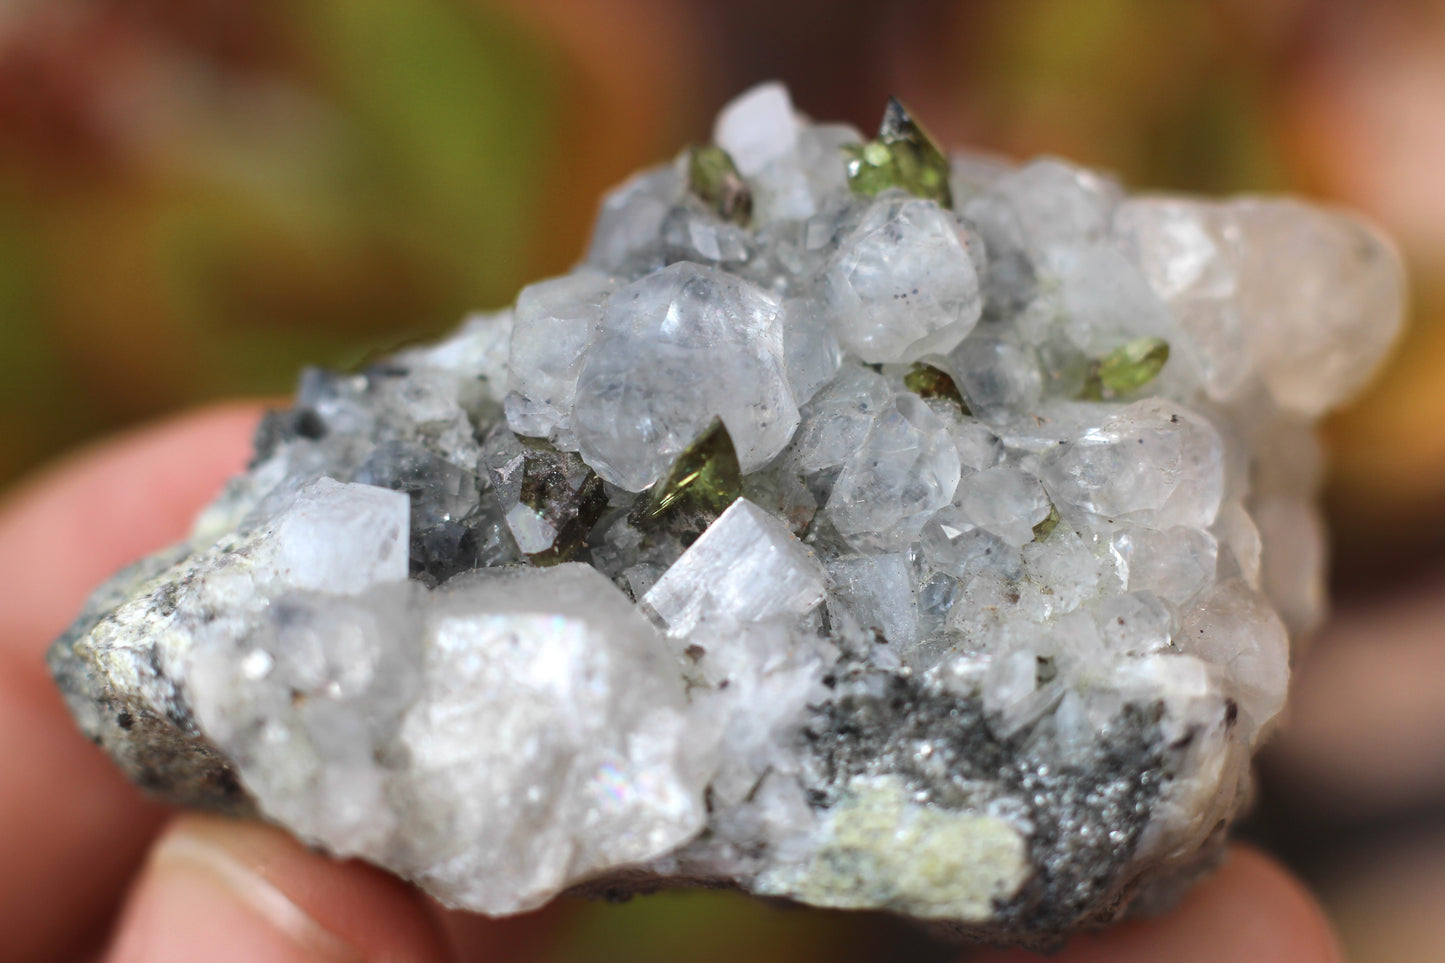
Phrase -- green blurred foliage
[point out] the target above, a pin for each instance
(369, 183)
(722, 927)
(1172, 95)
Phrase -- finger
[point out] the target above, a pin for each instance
(72, 831)
(232, 892)
(476, 939)
(77, 523)
(1383, 659)
(1252, 909)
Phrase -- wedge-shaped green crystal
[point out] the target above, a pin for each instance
(903, 155)
(704, 480)
(714, 179)
(926, 381)
(1046, 527)
(1127, 368)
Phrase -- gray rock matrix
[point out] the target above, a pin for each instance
(853, 526)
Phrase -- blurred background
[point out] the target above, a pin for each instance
(198, 196)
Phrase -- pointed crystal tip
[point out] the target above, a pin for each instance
(898, 123)
(902, 156)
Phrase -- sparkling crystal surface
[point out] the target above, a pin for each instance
(921, 536)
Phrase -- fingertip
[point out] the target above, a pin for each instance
(1251, 909)
(76, 523)
(531, 935)
(223, 890)
(72, 830)
(1278, 907)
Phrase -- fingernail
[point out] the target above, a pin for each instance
(205, 895)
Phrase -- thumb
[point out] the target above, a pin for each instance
(226, 892)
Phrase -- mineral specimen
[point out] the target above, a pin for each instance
(854, 525)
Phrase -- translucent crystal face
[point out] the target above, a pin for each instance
(854, 525)
(677, 348)
(903, 282)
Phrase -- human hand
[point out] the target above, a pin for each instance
(77, 842)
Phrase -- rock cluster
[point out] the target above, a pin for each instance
(855, 524)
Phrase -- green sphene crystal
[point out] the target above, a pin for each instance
(903, 156)
(926, 381)
(714, 179)
(1046, 527)
(1127, 368)
(704, 480)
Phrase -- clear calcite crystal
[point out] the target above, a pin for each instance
(833, 533)
(677, 348)
(313, 702)
(903, 282)
(747, 567)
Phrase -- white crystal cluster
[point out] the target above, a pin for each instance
(991, 607)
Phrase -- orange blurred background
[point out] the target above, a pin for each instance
(199, 196)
